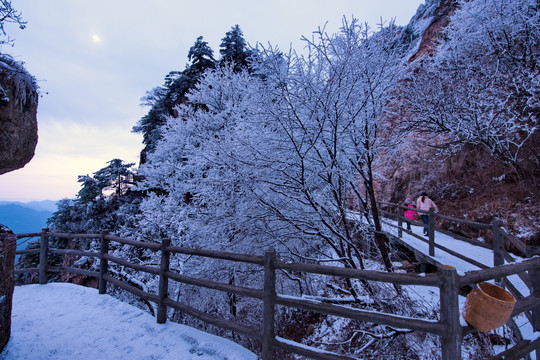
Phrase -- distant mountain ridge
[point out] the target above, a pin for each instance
(43, 205)
(26, 217)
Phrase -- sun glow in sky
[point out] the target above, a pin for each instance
(90, 98)
(96, 38)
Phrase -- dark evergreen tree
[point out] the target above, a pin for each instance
(234, 49)
(90, 189)
(115, 176)
(164, 99)
(201, 57)
(93, 210)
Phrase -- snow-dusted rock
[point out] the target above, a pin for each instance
(18, 119)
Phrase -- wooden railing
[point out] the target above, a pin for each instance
(501, 242)
(499, 235)
(446, 279)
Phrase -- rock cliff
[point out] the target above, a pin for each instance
(470, 184)
(18, 139)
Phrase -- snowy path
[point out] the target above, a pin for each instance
(65, 321)
(480, 254)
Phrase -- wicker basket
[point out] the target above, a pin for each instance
(488, 307)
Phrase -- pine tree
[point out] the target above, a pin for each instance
(114, 176)
(90, 189)
(234, 49)
(164, 99)
(201, 57)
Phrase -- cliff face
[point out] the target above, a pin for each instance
(429, 21)
(18, 119)
(470, 184)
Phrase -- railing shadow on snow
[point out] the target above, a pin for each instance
(447, 279)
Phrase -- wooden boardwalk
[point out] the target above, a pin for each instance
(412, 241)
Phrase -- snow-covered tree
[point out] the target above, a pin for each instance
(482, 86)
(253, 163)
(194, 163)
(328, 108)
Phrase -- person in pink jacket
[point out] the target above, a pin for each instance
(409, 214)
(425, 203)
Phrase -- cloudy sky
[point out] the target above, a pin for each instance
(94, 60)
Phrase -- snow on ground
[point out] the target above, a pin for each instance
(65, 321)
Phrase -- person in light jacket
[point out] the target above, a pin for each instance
(425, 203)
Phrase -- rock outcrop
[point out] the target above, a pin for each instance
(430, 20)
(8, 245)
(18, 115)
(18, 140)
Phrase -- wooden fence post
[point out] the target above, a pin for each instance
(163, 281)
(399, 222)
(431, 231)
(43, 256)
(451, 340)
(498, 246)
(534, 278)
(269, 295)
(498, 243)
(103, 263)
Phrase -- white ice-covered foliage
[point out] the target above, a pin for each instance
(201, 184)
(277, 160)
(327, 108)
(198, 164)
(495, 47)
(482, 85)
